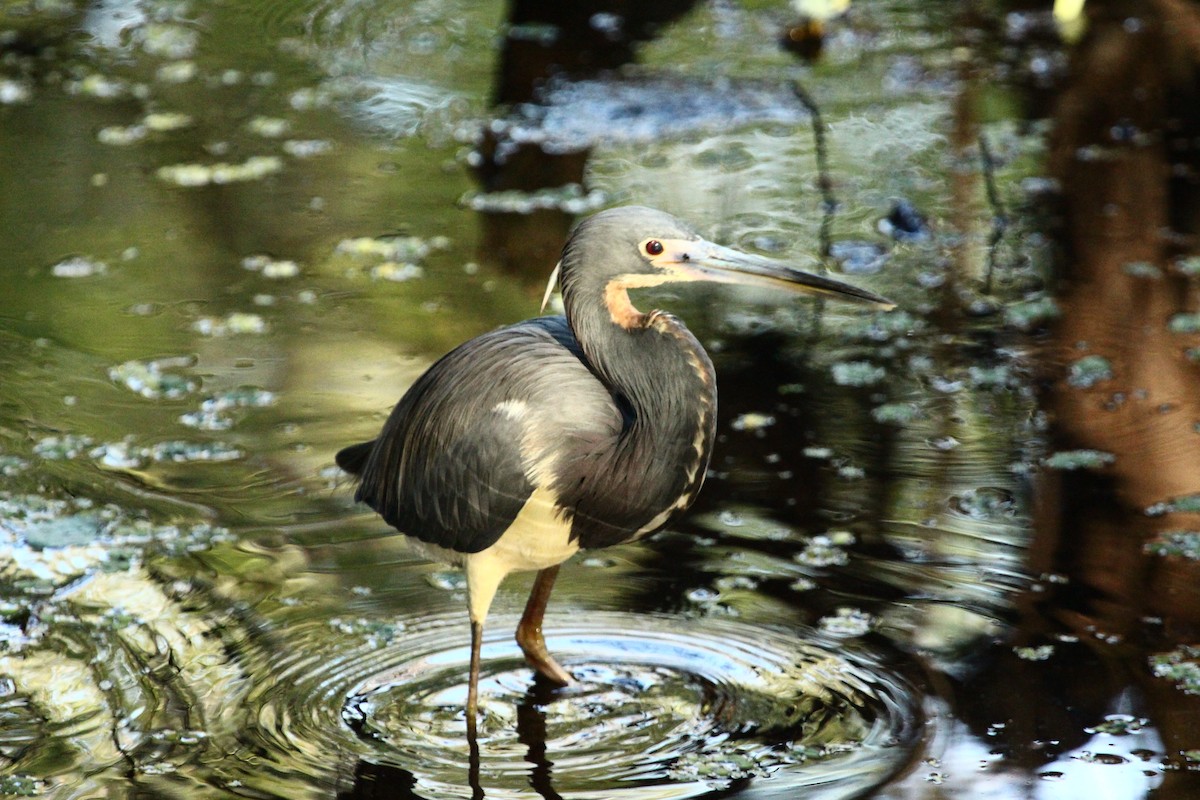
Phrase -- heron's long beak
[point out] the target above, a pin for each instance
(700, 260)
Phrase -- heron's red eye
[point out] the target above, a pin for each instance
(654, 247)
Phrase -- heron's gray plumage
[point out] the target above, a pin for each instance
(460, 453)
(527, 443)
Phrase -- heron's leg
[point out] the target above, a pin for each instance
(473, 680)
(529, 631)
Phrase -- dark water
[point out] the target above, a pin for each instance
(945, 551)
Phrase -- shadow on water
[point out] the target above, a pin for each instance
(948, 551)
(1116, 529)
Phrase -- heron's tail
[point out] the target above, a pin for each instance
(353, 459)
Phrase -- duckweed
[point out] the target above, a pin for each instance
(169, 41)
(307, 148)
(253, 168)
(78, 267)
(752, 421)
(1188, 504)
(1078, 459)
(1184, 323)
(1142, 269)
(1184, 544)
(900, 414)
(164, 121)
(271, 268)
(151, 379)
(396, 271)
(821, 552)
(1030, 314)
(1039, 653)
(1189, 265)
(121, 135)
(268, 127)
(857, 373)
(1088, 371)
(1179, 665)
(847, 623)
(238, 322)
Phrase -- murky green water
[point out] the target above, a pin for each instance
(231, 235)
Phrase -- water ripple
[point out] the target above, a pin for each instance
(661, 707)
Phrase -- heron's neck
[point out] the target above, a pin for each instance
(652, 364)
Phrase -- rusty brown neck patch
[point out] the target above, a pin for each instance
(620, 308)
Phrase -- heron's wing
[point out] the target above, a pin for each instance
(475, 435)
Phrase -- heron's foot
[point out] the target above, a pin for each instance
(533, 645)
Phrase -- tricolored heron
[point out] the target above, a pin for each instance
(529, 443)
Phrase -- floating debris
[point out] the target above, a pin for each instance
(720, 767)
(78, 267)
(271, 268)
(820, 551)
(998, 377)
(984, 503)
(13, 92)
(847, 623)
(396, 271)
(268, 127)
(1187, 504)
(447, 580)
(117, 455)
(169, 41)
(307, 148)
(752, 421)
(1119, 725)
(1179, 665)
(179, 452)
(858, 258)
(177, 72)
(164, 121)
(253, 168)
(151, 380)
(125, 455)
(22, 785)
(60, 448)
(896, 413)
(12, 465)
(1030, 314)
(1142, 269)
(571, 199)
(1039, 653)
(1078, 459)
(98, 86)
(235, 323)
(121, 135)
(1188, 265)
(212, 414)
(1183, 544)
(1088, 371)
(1184, 323)
(857, 373)
(393, 248)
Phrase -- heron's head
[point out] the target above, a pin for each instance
(635, 247)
